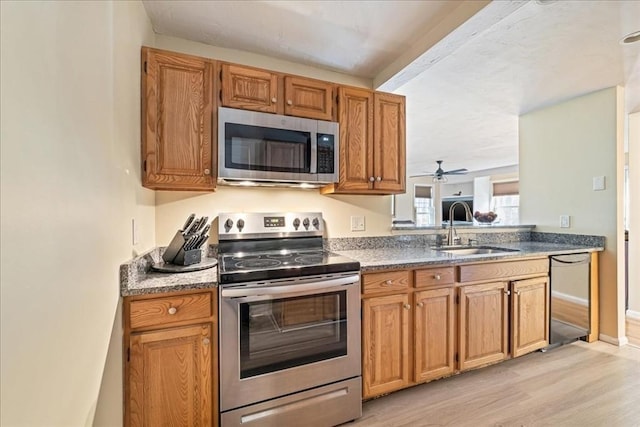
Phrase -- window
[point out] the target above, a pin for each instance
(423, 205)
(506, 202)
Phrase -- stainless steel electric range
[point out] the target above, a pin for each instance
(289, 323)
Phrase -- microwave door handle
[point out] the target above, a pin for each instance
(313, 167)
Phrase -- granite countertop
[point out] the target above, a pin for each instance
(395, 258)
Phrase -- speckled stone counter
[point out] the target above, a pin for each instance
(412, 257)
(137, 277)
(373, 253)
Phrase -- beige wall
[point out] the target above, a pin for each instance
(634, 213)
(70, 187)
(562, 148)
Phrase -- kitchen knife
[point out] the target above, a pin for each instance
(202, 223)
(194, 226)
(192, 240)
(187, 223)
(205, 229)
(203, 238)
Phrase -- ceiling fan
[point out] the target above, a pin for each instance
(439, 174)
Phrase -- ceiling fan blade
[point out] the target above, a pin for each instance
(456, 172)
(420, 174)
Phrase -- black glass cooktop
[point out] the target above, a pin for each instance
(249, 267)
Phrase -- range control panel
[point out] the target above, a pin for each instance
(266, 225)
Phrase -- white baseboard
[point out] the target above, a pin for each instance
(620, 341)
(633, 314)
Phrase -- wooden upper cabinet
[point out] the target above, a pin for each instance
(389, 142)
(177, 122)
(249, 88)
(529, 315)
(372, 143)
(308, 98)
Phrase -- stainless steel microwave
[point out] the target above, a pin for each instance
(274, 149)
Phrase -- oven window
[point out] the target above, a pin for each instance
(267, 149)
(284, 333)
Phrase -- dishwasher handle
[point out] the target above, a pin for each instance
(573, 259)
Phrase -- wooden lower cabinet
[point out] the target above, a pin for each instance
(170, 377)
(434, 334)
(385, 344)
(484, 321)
(529, 315)
(170, 343)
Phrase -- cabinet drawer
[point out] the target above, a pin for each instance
(167, 310)
(385, 282)
(434, 277)
(498, 270)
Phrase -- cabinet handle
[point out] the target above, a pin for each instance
(274, 100)
(388, 282)
(371, 179)
(518, 292)
(172, 310)
(420, 304)
(207, 171)
(507, 292)
(205, 341)
(289, 102)
(379, 178)
(437, 276)
(407, 306)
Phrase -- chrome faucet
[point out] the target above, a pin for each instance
(469, 217)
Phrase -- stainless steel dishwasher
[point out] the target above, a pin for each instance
(570, 303)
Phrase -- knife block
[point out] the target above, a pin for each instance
(175, 253)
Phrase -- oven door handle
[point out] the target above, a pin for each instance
(289, 289)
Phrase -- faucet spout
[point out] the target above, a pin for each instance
(469, 216)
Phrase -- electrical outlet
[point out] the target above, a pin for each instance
(134, 232)
(598, 183)
(565, 221)
(357, 223)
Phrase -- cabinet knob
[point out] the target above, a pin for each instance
(437, 276)
(207, 171)
(517, 292)
(379, 178)
(371, 179)
(274, 99)
(205, 341)
(388, 282)
(289, 102)
(421, 304)
(407, 306)
(507, 292)
(172, 310)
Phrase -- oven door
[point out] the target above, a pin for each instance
(287, 337)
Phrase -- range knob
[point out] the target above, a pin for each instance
(305, 222)
(228, 224)
(316, 223)
(240, 224)
(296, 223)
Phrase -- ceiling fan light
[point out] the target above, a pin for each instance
(440, 179)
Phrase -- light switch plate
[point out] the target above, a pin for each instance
(598, 183)
(357, 223)
(565, 221)
(134, 232)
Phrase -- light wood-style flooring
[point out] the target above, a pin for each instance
(579, 384)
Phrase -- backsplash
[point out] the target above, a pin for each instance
(569, 239)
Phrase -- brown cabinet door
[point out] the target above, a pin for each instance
(385, 343)
(434, 333)
(530, 315)
(389, 142)
(308, 98)
(483, 324)
(170, 377)
(355, 115)
(177, 117)
(249, 88)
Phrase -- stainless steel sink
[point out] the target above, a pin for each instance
(475, 250)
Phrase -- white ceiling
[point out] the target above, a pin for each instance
(465, 87)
